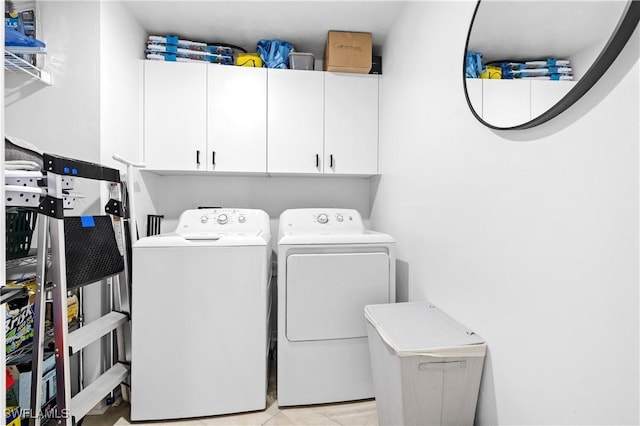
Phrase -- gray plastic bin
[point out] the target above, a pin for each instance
(426, 366)
(301, 61)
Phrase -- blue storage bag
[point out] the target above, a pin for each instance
(274, 53)
(473, 64)
(13, 38)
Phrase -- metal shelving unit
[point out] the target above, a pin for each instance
(23, 262)
(84, 250)
(16, 64)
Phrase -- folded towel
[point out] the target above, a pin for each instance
(16, 149)
(21, 165)
(23, 144)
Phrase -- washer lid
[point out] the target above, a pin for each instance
(204, 239)
(419, 328)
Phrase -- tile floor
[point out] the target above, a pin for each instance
(360, 413)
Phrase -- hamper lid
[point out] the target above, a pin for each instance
(421, 328)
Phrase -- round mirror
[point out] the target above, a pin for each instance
(526, 61)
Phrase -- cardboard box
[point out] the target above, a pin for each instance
(12, 416)
(19, 328)
(348, 52)
(19, 320)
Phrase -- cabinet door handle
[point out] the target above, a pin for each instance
(317, 160)
(198, 157)
(331, 160)
(213, 157)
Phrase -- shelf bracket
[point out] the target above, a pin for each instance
(14, 63)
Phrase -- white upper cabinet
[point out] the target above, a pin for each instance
(229, 119)
(545, 94)
(175, 115)
(505, 103)
(474, 91)
(350, 123)
(295, 123)
(237, 119)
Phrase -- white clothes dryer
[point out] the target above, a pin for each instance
(329, 268)
(200, 316)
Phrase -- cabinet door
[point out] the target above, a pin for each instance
(506, 103)
(351, 123)
(474, 90)
(295, 121)
(546, 93)
(175, 115)
(237, 119)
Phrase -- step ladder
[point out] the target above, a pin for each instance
(83, 250)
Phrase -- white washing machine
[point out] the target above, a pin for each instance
(329, 268)
(200, 316)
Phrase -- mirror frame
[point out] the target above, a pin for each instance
(623, 31)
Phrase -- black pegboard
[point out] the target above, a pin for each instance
(91, 250)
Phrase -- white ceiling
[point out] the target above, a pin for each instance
(503, 29)
(518, 30)
(243, 23)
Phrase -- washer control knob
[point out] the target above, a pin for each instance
(339, 217)
(323, 218)
(222, 219)
(204, 219)
(242, 219)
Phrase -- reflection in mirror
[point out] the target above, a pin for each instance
(527, 60)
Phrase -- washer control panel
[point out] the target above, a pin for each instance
(223, 221)
(321, 220)
(223, 218)
(325, 218)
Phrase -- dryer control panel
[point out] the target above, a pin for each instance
(329, 220)
(223, 221)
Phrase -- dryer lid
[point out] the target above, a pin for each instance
(362, 237)
(419, 328)
(326, 226)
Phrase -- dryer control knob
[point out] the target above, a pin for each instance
(204, 219)
(222, 219)
(339, 218)
(323, 218)
(242, 219)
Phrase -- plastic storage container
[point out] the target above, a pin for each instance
(426, 366)
(20, 224)
(301, 61)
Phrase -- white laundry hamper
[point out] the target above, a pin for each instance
(426, 366)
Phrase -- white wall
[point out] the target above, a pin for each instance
(122, 41)
(271, 194)
(530, 238)
(121, 48)
(64, 118)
